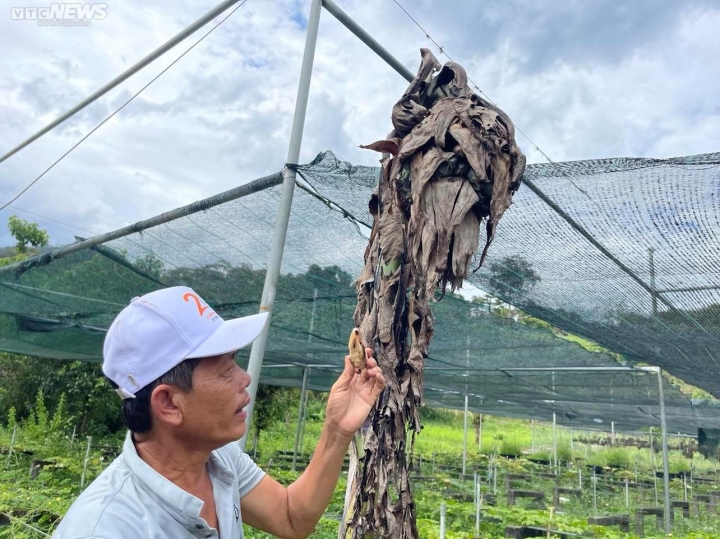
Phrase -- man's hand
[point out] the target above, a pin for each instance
(295, 511)
(353, 395)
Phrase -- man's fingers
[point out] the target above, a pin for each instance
(347, 372)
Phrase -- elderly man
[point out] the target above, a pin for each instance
(181, 473)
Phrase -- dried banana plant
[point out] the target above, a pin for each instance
(453, 163)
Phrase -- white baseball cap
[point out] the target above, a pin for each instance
(161, 329)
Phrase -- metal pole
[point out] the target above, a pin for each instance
(310, 356)
(303, 423)
(554, 432)
(465, 425)
(273, 269)
(12, 443)
(495, 472)
(475, 480)
(443, 509)
(85, 462)
(194, 27)
(594, 487)
(627, 496)
(666, 466)
(198, 206)
(300, 416)
(655, 485)
(532, 435)
(477, 509)
(378, 49)
(480, 435)
(612, 432)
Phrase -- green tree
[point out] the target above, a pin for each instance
(26, 233)
(512, 278)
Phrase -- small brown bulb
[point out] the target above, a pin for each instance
(356, 349)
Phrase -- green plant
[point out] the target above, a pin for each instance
(26, 233)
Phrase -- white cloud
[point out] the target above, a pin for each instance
(612, 79)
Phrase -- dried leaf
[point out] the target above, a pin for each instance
(455, 162)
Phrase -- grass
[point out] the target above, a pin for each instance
(46, 497)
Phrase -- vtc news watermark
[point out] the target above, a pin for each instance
(61, 14)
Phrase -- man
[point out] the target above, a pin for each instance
(181, 473)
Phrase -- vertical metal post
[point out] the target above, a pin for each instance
(310, 356)
(555, 457)
(273, 269)
(495, 472)
(443, 509)
(627, 496)
(480, 433)
(580, 477)
(12, 443)
(612, 432)
(477, 510)
(532, 435)
(300, 415)
(666, 466)
(655, 485)
(593, 480)
(85, 462)
(465, 425)
(303, 423)
(475, 482)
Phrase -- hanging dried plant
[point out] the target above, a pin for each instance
(453, 163)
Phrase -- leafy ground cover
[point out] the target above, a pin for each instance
(43, 473)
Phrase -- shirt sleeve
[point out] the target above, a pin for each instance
(247, 472)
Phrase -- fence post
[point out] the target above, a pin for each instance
(594, 486)
(477, 509)
(85, 462)
(443, 509)
(12, 443)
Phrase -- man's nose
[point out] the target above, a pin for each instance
(245, 379)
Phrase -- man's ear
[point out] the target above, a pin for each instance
(164, 405)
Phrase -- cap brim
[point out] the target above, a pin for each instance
(231, 335)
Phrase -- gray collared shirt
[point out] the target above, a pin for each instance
(131, 500)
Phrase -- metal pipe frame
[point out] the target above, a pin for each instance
(272, 274)
(157, 53)
(465, 432)
(201, 205)
(303, 394)
(366, 38)
(666, 466)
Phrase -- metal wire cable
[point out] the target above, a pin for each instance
(48, 169)
(442, 51)
(53, 220)
(555, 165)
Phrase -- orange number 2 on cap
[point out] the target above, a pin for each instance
(201, 309)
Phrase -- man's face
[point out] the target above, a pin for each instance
(213, 411)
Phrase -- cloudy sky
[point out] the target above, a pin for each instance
(582, 78)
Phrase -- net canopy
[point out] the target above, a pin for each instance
(582, 263)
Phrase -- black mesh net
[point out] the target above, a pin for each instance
(582, 263)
